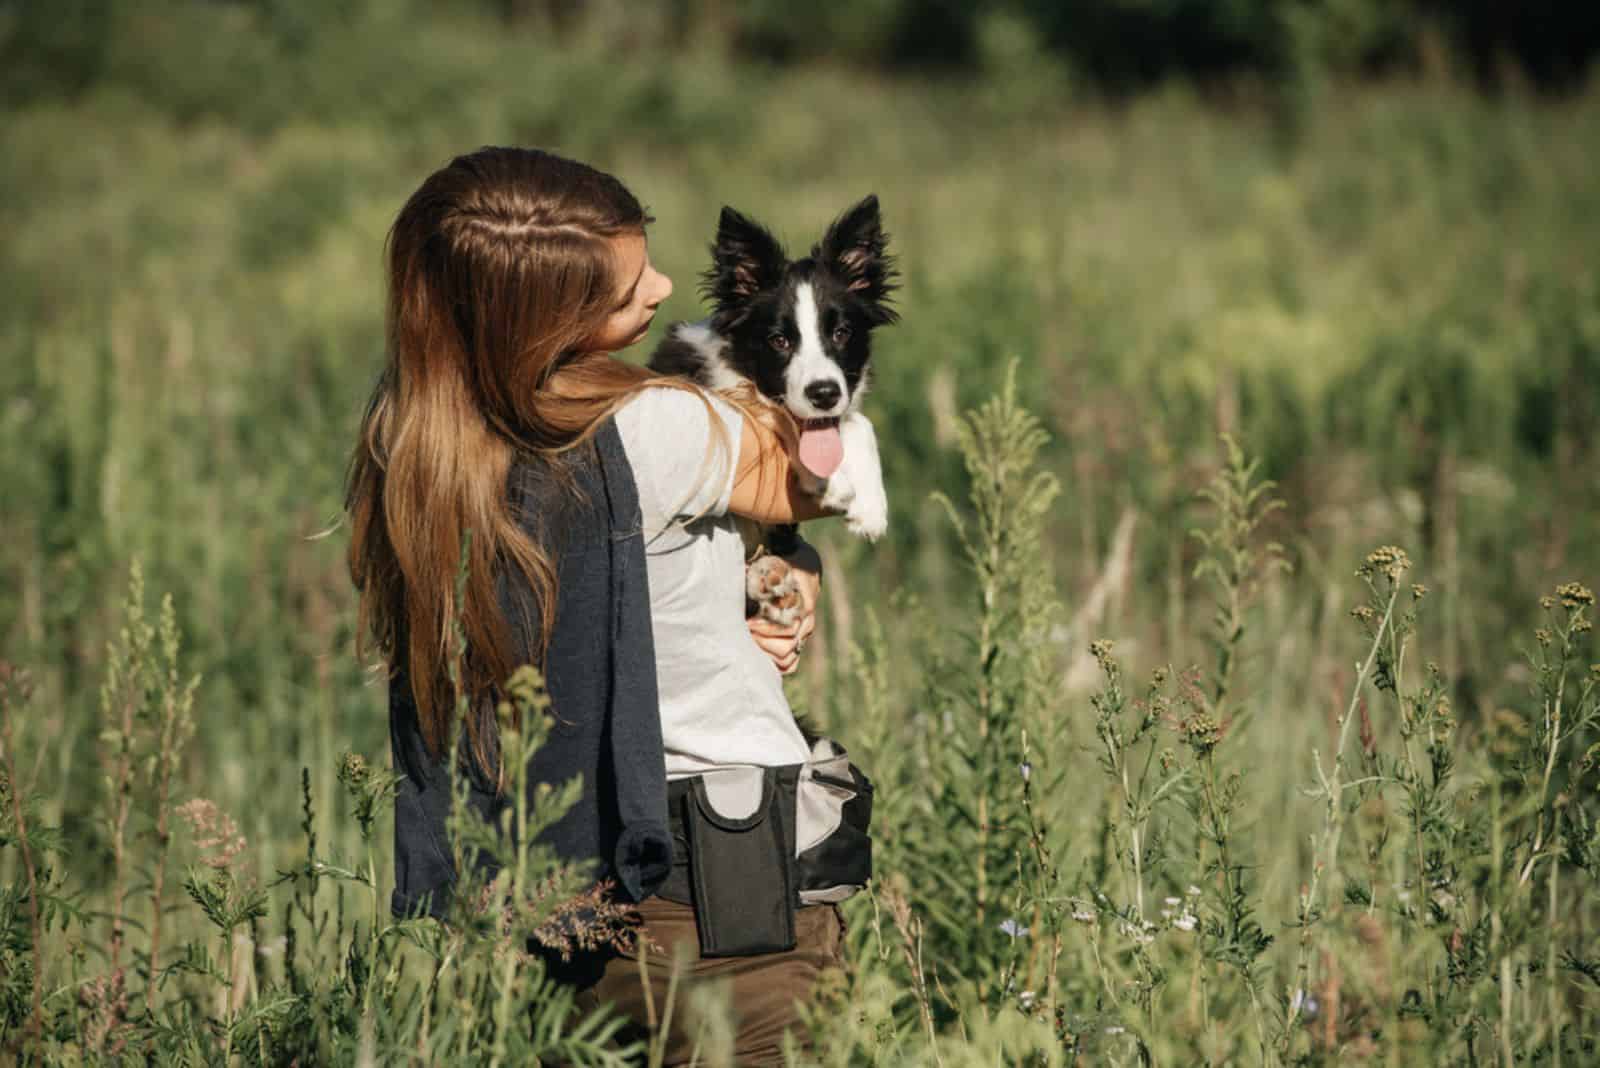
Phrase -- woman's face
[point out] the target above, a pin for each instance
(640, 290)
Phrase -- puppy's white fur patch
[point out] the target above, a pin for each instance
(811, 363)
(713, 348)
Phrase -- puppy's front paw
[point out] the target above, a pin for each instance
(769, 584)
(868, 516)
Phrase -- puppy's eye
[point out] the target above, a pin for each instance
(779, 342)
(841, 333)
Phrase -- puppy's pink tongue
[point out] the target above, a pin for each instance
(821, 450)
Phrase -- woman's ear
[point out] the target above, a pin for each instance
(856, 248)
(745, 259)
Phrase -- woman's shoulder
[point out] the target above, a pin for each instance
(678, 400)
(681, 444)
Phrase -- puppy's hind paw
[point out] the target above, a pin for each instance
(770, 587)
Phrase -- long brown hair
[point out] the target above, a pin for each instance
(499, 268)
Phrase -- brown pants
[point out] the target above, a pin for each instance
(764, 990)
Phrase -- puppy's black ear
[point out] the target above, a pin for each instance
(856, 248)
(745, 259)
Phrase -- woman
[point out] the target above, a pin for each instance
(514, 275)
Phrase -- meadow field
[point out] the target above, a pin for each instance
(1227, 671)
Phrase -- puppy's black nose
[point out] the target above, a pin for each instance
(823, 394)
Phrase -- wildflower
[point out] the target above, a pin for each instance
(1202, 732)
(1547, 602)
(1083, 915)
(1012, 928)
(1193, 891)
(1100, 649)
(1594, 672)
(1158, 677)
(353, 771)
(1418, 591)
(1186, 922)
(1026, 999)
(1543, 636)
(215, 834)
(1582, 626)
(1364, 613)
(1575, 595)
(1389, 560)
(1172, 901)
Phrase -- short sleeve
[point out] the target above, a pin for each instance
(683, 459)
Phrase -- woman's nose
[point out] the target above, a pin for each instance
(663, 291)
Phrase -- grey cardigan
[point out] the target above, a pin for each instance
(600, 673)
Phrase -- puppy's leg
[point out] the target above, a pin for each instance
(856, 488)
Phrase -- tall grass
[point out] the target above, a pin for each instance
(1393, 311)
(1026, 909)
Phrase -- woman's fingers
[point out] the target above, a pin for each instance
(762, 627)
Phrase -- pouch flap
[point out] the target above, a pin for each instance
(734, 799)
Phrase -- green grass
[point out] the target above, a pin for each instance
(1390, 300)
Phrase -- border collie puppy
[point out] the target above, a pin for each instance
(800, 331)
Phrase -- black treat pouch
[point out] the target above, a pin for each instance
(741, 847)
(841, 863)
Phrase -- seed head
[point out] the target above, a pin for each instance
(353, 771)
(1575, 595)
(1418, 591)
(1100, 649)
(1201, 732)
(1543, 636)
(1364, 613)
(1389, 560)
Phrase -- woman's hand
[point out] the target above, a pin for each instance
(785, 643)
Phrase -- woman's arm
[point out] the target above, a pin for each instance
(765, 485)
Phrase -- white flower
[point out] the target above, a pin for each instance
(1185, 922)
(1171, 901)
(1083, 916)
(1115, 1030)
(1302, 1000)
(1026, 998)
(1013, 928)
(1193, 891)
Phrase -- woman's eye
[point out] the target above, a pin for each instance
(779, 342)
(841, 334)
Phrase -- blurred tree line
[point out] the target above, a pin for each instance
(50, 47)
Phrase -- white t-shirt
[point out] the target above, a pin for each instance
(722, 699)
